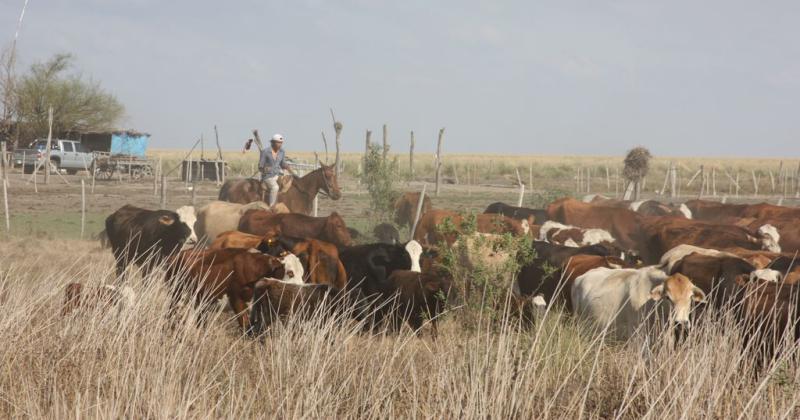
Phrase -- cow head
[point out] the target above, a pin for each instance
(330, 181)
(293, 268)
(187, 215)
(414, 250)
(681, 293)
(263, 265)
(336, 230)
(172, 230)
(769, 238)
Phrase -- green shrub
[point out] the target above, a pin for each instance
(379, 176)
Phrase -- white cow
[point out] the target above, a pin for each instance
(221, 216)
(622, 299)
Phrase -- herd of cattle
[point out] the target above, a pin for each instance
(614, 263)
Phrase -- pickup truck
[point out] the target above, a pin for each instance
(64, 154)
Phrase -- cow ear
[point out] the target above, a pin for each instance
(698, 295)
(166, 220)
(657, 293)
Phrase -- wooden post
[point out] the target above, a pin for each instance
(94, 172)
(417, 213)
(194, 191)
(5, 205)
(411, 158)
(737, 183)
(772, 180)
(47, 147)
(530, 175)
(439, 160)
(588, 180)
(702, 181)
(83, 207)
(714, 180)
(35, 181)
(608, 180)
(163, 191)
(673, 181)
(316, 205)
(521, 189)
(469, 182)
(455, 174)
(755, 182)
(219, 148)
(578, 182)
(3, 163)
(666, 179)
(616, 182)
(155, 180)
(222, 170)
(385, 142)
(216, 172)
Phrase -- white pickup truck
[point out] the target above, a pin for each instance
(68, 155)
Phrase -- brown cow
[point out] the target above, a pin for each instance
(768, 313)
(320, 259)
(716, 276)
(711, 210)
(622, 224)
(210, 274)
(329, 229)
(104, 296)
(431, 226)
(661, 234)
(405, 208)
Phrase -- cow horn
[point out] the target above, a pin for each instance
(166, 220)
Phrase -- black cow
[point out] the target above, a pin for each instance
(368, 268)
(419, 296)
(144, 237)
(533, 216)
(386, 233)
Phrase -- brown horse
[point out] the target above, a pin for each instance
(299, 198)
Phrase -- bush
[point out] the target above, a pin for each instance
(379, 177)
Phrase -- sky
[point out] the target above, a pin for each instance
(683, 78)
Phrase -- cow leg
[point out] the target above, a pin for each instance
(239, 307)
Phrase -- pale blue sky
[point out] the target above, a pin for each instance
(719, 78)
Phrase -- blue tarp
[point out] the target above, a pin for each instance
(129, 144)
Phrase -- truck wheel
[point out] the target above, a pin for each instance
(56, 165)
(27, 169)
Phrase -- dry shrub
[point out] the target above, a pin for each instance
(136, 363)
(637, 164)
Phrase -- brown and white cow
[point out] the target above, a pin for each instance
(221, 216)
(572, 236)
(623, 224)
(429, 230)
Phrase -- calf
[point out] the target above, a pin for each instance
(104, 296)
(620, 299)
(329, 229)
(386, 233)
(572, 236)
(274, 299)
(623, 224)
(405, 208)
(769, 312)
(418, 296)
(144, 237)
(210, 274)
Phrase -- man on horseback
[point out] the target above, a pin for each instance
(270, 164)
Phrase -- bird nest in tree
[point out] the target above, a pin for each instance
(637, 163)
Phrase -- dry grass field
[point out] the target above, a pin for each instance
(134, 362)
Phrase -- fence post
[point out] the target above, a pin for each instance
(83, 207)
(439, 160)
(5, 205)
(411, 157)
(385, 142)
(737, 183)
(530, 175)
(3, 164)
(47, 146)
(521, 189)
(755, 183)
(163, 191)
(417, 214)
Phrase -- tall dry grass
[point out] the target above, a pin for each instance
(134, 362)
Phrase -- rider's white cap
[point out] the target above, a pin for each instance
(277, 137)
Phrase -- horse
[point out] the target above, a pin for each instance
(300, 196)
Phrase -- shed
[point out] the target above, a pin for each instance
(120, 142)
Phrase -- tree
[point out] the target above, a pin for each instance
(7, 91)
(380, 176)
(78, 105)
